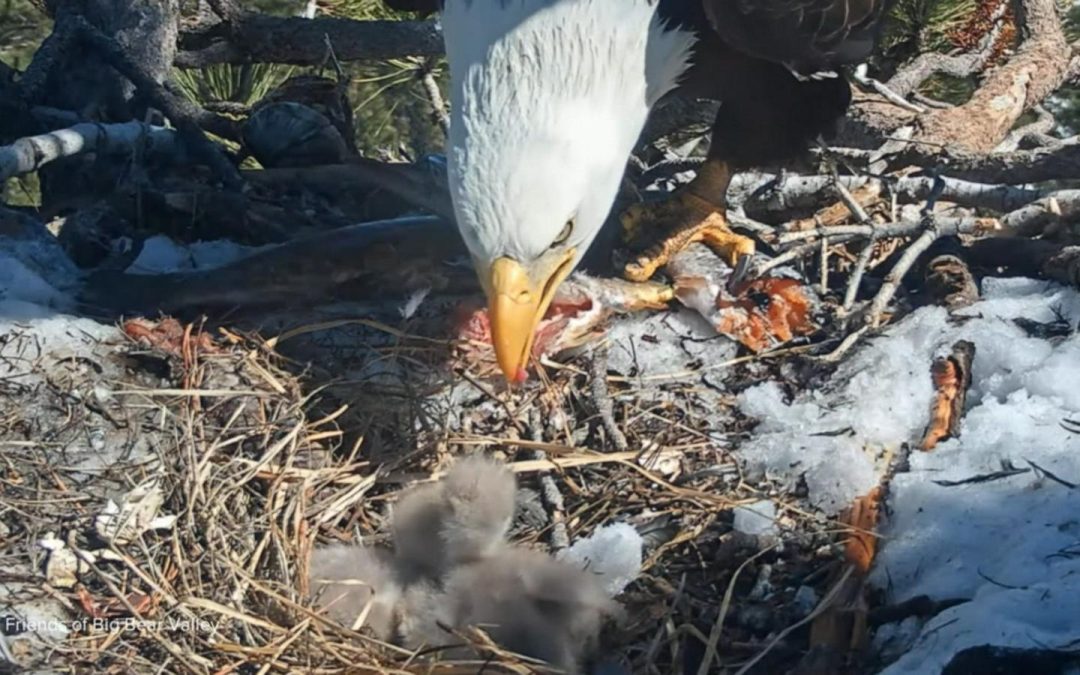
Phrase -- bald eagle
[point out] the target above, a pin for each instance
(549, 98)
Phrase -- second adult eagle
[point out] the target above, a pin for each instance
(549, 97)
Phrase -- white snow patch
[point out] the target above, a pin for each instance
(756, 518)
(665, 345)
(33, 266)
(162, 255)
(613, 552)
(836, 468)
(20, 283)
(1010, 546)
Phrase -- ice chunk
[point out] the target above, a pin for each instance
(756, 518)
(664, 346)
(160, 255)
(613, 552)
(19, 282)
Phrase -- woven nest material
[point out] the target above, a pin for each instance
(225, 465)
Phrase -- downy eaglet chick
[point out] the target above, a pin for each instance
(524, 600)
(461, 518)
(346, 579)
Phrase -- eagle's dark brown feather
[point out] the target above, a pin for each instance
(747, 53)
(807, 35)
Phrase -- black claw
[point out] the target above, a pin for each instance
(742, 267)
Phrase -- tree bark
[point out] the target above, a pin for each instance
(1036, 71)
(260, 38)
(83, 81)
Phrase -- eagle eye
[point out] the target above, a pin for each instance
(567, 230)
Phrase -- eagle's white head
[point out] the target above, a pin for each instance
(548, 99)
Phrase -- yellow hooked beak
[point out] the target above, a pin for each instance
(518, 298)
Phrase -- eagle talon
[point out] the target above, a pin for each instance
(687, 223)
(739, 273)
(694, 214)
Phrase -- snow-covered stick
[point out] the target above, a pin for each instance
(33, 152)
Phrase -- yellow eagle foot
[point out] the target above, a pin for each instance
(683, 219)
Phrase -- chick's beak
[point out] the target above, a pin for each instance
(518, 298)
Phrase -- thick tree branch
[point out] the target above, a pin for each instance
(912, 75)
(30, 154)
(795, 194)
(1059, 162)
(418, 184)
(1037, 131)
(184, 115)
(1036, 70)
(1035, 217)
(246, 38)
(51, 51)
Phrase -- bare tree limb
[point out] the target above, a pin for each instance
(903, 228)
(435, 97)
(855, 282)
(797, 194)
(30, 154)
(1058, 162)
(1036, 70)
(419, 184)
(894, 97)
(934, 229)
(59, 41)
(1033, 219)
(259, 38)
(1043, 125)
(911, 76)
(185, 116)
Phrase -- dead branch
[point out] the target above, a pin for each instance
(59, 41)
(912, 75)
(1038, 131)
(259, 38)
(601, 398)
(30, 154)
(421, 184)
(1058, 162)
(935, 229)
(401, 255)
(855, 282)
(795, 194)
(903, 228)
(1038, 68)
(1034, 218)
(883, 89)
(188, 118)
(435, 97)
(952, 378)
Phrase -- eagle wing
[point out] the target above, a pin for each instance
(808, 36)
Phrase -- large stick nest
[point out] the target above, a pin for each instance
(257, 465)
